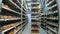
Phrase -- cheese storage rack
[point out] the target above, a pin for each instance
(13, 19)
(35, 16)
(50, 20)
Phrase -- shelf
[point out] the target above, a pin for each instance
(52, 6)
(10, 19)
(50, 18)
(23, 14)
(17, 30)
(11, 10)
(17, 2)
(53, 18)
(50, 32)
(35, 31)
(50, 2)
(23, 7)
(34, 5)
(24, 18)
(10, 28)
(13, 16)
(34, 28)
(11, 4)
(52, 23)
(35, 18)
(24, 21)
(43, 14)
(24, 11)
(14, 4)
(43, 17)
(35, 12)
(35, 8)
(24, 24)
(35, 23)
(44, 24)
(52, 12)
(52, 29)
(34, 2)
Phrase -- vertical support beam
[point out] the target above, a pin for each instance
(0, 12)
(21, 14)
(58, 2)
(0, 5)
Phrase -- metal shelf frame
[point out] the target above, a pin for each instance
(51, 16)
(13, 5)
(35, 16)
(58, 2)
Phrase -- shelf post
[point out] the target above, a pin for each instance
(58, 2)
(0, 12)
(0, 5)
(21, 14)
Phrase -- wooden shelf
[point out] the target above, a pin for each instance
(14, 4)
(17, 2)
(51, 23)
(10, 28)
(43, 17)
(11, 4)
(10, 19)
(17, 30)
(52, 29)
(53, 6)
(11, 10)
(34, 2)
(53, 18)
(52, 12)
(34, 28)
(44, 24)
(35, 16)
(50, 2)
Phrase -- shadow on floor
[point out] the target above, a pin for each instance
(42, 31)
(27, 30)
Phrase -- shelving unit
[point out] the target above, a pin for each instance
(50, 19)
(35, 16)
(13, 19)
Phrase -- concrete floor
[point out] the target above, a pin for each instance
(28, 30)
(42, 31)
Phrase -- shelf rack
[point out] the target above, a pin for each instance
(35, 16)
(13, 19)
(50, 18)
